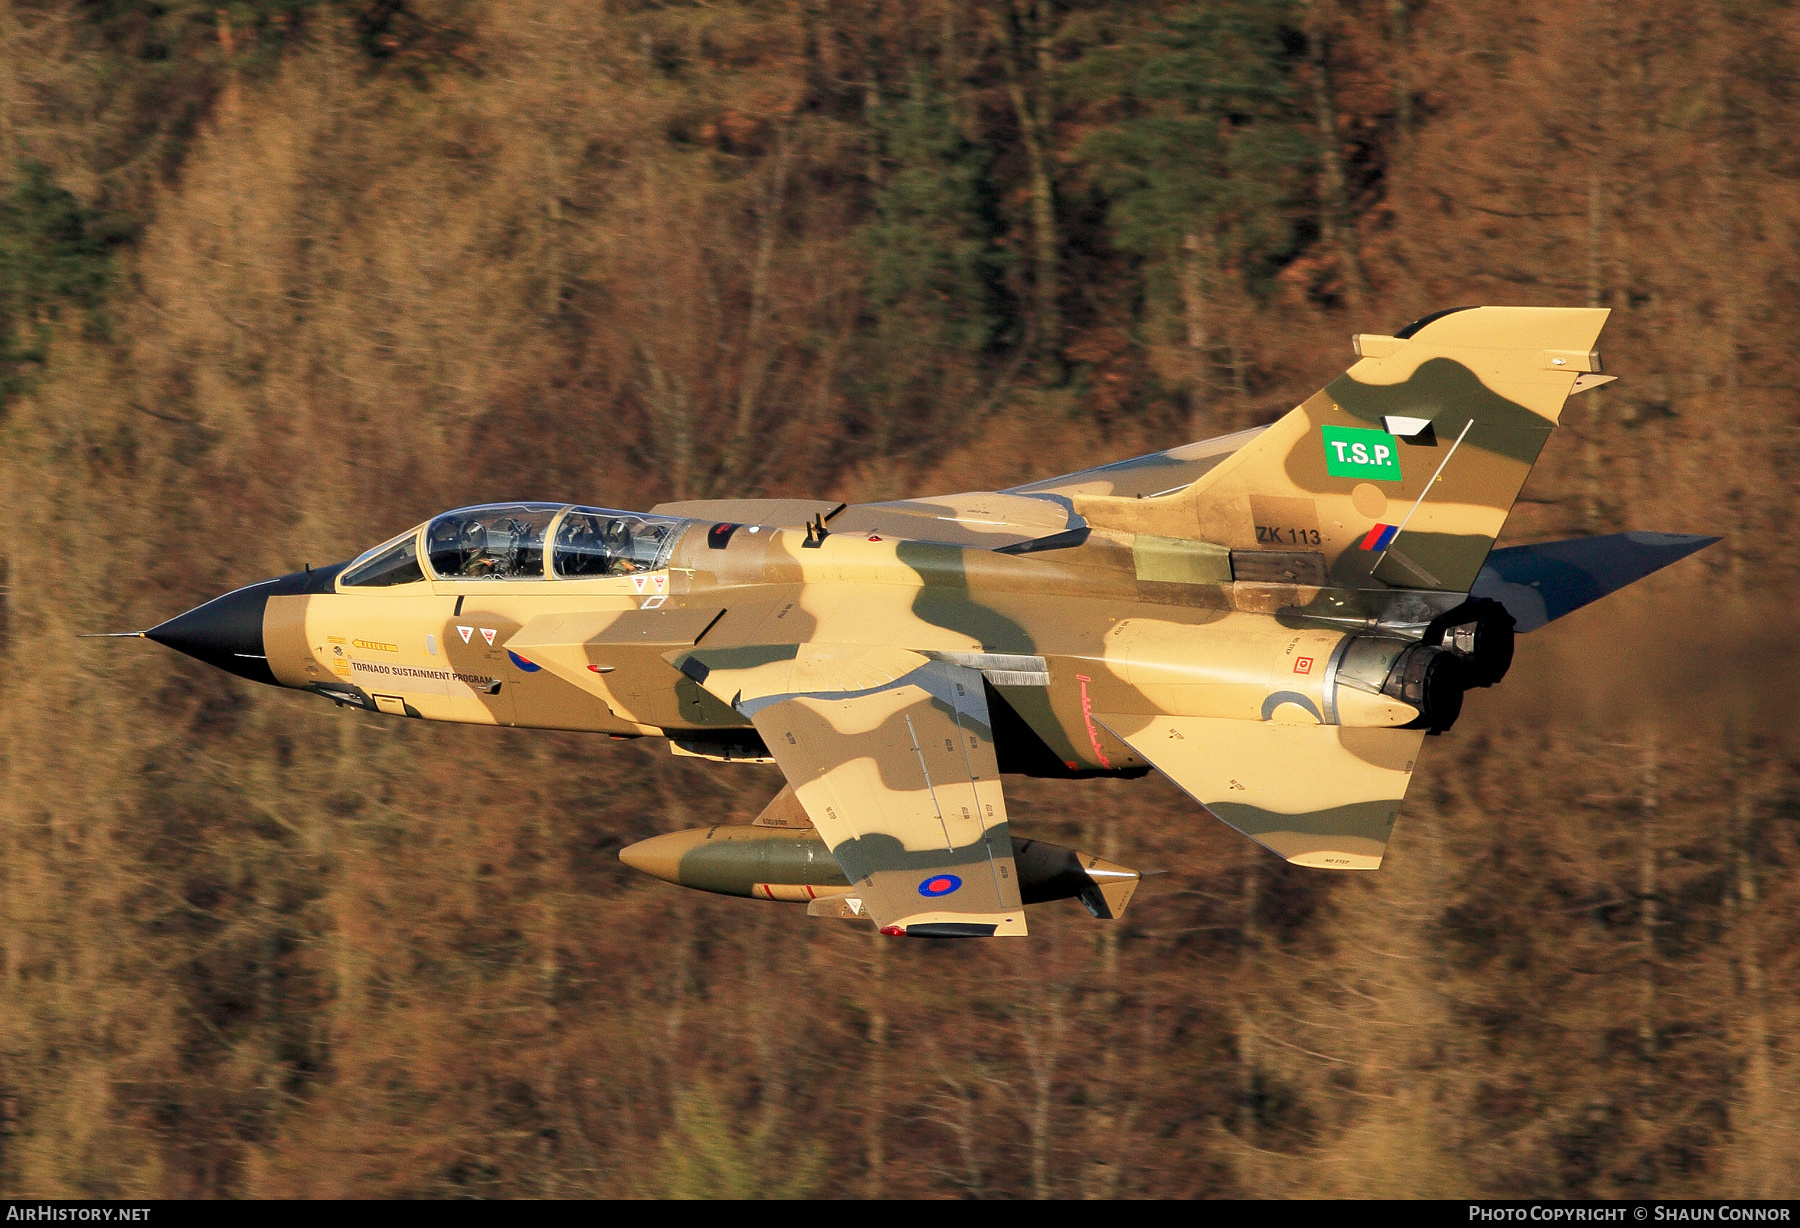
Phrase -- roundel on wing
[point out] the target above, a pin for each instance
(522, 663)
(939, 884)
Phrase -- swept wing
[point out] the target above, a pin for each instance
(1145, 477)
(892, 757)
(1038, 512)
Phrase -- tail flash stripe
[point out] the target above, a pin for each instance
(1379, 537)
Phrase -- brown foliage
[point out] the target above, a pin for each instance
(254, 946)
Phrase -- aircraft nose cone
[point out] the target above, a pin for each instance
(227, 632)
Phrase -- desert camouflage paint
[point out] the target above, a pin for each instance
(1275, 620)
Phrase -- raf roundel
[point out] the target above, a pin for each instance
(939, 884)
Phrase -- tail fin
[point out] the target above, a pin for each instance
(1404, 468)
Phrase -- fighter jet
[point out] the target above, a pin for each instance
(1275, 620)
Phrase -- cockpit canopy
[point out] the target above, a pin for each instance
(505, 541)
(591, 541)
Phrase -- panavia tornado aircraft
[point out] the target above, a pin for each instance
(1274, 620)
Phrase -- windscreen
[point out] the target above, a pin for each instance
(391, 563)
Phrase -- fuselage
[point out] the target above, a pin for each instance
(539, 638)
(1273, 621)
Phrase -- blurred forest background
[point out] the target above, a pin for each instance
(282, 277)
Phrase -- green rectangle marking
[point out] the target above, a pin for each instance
(1356, 452)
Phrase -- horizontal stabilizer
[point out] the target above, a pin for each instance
(1323, 796)
(1539, 584)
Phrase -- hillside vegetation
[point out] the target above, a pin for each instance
(279, 278)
